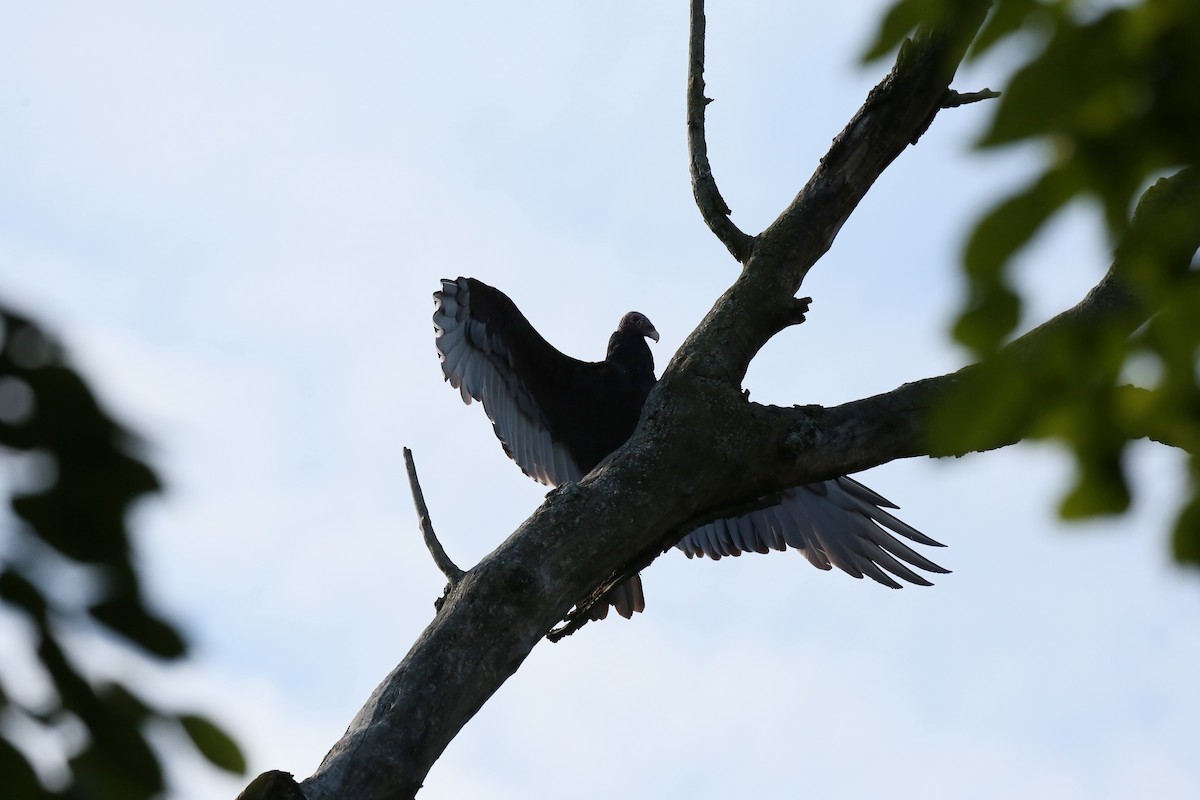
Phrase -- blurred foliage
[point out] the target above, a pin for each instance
(1111, 92)
(67, 568)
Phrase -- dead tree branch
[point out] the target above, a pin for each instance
(627, 510)
(712, 206)
(443, 562)
(953, 99)
(762, 300)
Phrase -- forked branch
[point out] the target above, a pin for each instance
(614, 516)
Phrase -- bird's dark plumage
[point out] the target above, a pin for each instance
(559, 417)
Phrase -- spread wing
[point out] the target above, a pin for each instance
(545, 405)
(490, 353)
(838, 523)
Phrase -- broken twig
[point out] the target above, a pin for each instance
(448, 567)
(704, 187)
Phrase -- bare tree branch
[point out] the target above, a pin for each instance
(894, 425)
(621, 515)
(640, 501)
(704, 187)
(443, 562)
(953, 99)
(761, 301)
(1165, 227)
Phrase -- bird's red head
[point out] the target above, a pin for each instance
(638, 323)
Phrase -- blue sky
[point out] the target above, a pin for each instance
(235, 215)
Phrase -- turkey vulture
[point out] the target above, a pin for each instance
(558, 417)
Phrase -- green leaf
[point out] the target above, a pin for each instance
(1078, 85)
(126, 769)
(273, 785)
(80, 511)
(1156, 252)
(988, 406)
(1010, 225)
(118, 760)
(18, 590)
(1100, 488)
(1185, 541)
(213, 743)
(1007, 17)
(899, 21)
(20, 781)
(904, 18)
(992, 308)
(992, 313)
(125, 614)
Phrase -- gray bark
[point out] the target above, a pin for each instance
(641, 500)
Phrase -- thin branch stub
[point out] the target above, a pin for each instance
(797, 310)
(713, 208)
(443, 562)
(953, 99)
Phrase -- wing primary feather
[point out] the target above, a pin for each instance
(902, 551)
(489, 352)
(733, 529)
(832, 524)
(714, 550)
(851, 501)
(772, 532)
(863, 492)
(756, 531)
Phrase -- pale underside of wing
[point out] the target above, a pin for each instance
(838, 523)
(479, 363)
(626, 598)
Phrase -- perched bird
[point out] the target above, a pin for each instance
(558, 417)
